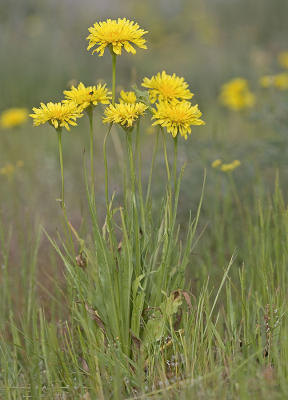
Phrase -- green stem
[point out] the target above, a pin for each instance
(90, 115)
(59, 131)
(131, 161)
(175, 161)
(106, 166)
(139, 181)
(152, 167)
(113, 77)
(166, 157)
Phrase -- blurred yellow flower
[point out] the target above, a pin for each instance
(167, 87)
(283, 59)
(231, 166)
(19, 164)
(281, 81)
(127, 97)
(177, 117)
(267, 81)
(216, 163)
(57, 114)
(9, 169)
(13, 117)
(86, 96)
(124, 114)
(236, 95)
(116, 34)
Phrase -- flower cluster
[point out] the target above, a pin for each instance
(278, 81)
(172, 110)
(225, 167)
(77, 99)
(169, 94)
(236, 95)
(13, 117)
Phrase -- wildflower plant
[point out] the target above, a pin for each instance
(87, 98)
(58, 115)
(135, 263)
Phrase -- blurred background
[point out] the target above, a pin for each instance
(43, 51)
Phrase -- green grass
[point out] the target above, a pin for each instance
(230, 341)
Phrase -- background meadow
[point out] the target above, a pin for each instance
(243, 216)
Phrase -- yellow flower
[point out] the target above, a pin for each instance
(283, 59)
(86, 96)
(127, 97)
(19, 164)
(13, 117)
(177, 117)
(281, 81)
(231, 166)
(57, 114)
(124, 114)
(167, 87)
(8, 170)
(267, 81)
(116, 34)
(236, 95)
(216, 163)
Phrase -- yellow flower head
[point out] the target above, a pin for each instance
(267, 81)
(231, 166)
(216, 163)
(8, 170)
(124, 114)
(57, 114)
(127, 97)
(116, 34)
(281, 81)
(86, 96)
(283, 59)
(177, 117)
(236, 95)
(167, 87)
(13, 117)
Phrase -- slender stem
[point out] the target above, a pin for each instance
(152, 167)
(59, 131)
(131, 162)
(139, 181)
(113, 77)
(175, 161)
(90, 115)
(166, 157)
(106, 165)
